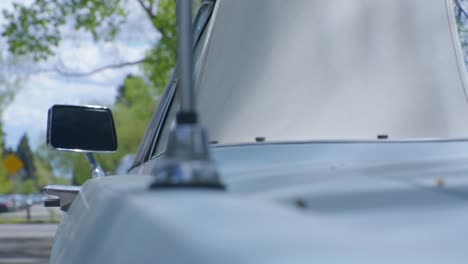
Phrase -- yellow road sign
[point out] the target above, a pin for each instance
(13, 164)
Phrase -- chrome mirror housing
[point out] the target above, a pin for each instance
(81, 129)
(87, 129)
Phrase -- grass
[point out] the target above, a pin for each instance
(19, 217)
(21, 220)
(53, 216)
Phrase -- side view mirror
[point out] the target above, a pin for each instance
(85, 129)
(81, 129)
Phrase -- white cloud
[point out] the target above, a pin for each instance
(28, 113)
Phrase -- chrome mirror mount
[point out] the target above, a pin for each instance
(96, 169)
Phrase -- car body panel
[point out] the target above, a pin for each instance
(301, 201)
(330, 208)
(335, 69)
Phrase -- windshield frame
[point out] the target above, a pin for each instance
(154, 131)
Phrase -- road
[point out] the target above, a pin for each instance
(38, 213)
(26, 243)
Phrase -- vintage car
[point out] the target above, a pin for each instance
(338, 131)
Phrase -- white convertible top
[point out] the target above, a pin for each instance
(334, 69)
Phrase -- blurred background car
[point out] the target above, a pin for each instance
(6, 204)
(19, 201)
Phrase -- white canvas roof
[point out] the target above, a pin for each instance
(334, 69)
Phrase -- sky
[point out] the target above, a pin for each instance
(78, 53)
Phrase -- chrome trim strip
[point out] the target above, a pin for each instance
(66, 194)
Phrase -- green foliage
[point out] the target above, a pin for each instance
(27, 187)
(61, 181)
(163, 57)
(37, 28)
(64, 164)
(44, 172)
(80, 168)
(135, 100)
(42, 175)
(6, 186)
(132, 113)
(22, 220)
(9, 85)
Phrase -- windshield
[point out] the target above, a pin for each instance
(301, 71)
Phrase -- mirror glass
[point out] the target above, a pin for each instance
(81, 128)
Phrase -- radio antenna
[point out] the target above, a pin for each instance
(187, 161)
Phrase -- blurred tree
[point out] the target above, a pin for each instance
(6, 186)
(48, 163)
(44, 172)
(165, 51)
(7, 150)
(9, 84)
(27, 187)
(36, 29)
(25, 154)
(132, 111)
(79, 165)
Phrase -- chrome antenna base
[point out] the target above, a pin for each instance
(187, 162)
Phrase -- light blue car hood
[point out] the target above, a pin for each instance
(294, 203)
